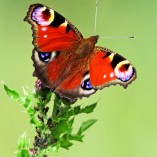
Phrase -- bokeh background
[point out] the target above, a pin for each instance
(127, 119)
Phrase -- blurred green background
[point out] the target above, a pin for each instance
(127, 119)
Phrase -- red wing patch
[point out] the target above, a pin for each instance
(107, 68)
(51, 31)
(72, 87)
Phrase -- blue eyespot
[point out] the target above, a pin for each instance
(86, 85)
(44, 56)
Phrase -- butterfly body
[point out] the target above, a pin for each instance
(69, 64)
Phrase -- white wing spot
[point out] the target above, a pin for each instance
(43, 28)
(111, 75)
(45, 36)
(104, 76)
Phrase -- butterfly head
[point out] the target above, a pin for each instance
(86, 46)
(94, 39)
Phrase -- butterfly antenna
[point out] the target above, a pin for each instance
(96, 13)
(126, 37)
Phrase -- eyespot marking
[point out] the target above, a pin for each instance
(124, 67)
(86, 85)
(124, 71)
(86, 88)
(44, 56)
(42, 15)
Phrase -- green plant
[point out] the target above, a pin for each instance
(52, 117)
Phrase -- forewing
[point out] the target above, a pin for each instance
(51, 31)
(109, 68)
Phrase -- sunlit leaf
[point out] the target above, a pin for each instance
(30, 110)
(23, 146)
(34, 122)
(11, 93)
(85, 125)
(66, 144)
(76, 137)
(25, 153)
(88, 109)
(62, 127)
(27, 101)
(54, 149)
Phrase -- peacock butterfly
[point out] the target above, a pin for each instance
(69, 64)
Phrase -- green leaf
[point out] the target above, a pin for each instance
(63, 111)
(54, 149)
(11, 93)
(76, 137)
(77, 110)
(69, 113)
(24, 153)
(66, 144)
(48, 97)
(23, 146)
(71, 122)
(34, 122)
(88, 109)
(30, 110)
(22, 141)
(57, 100)
(62, 127)
(26, 101)
(85, 125)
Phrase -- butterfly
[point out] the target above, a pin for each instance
(69, 64)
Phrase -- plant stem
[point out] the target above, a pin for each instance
(56, 106)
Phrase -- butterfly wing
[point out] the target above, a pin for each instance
(105, 68)
(66, 75)
(109, 68)
(54, 38)
(51, 31)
